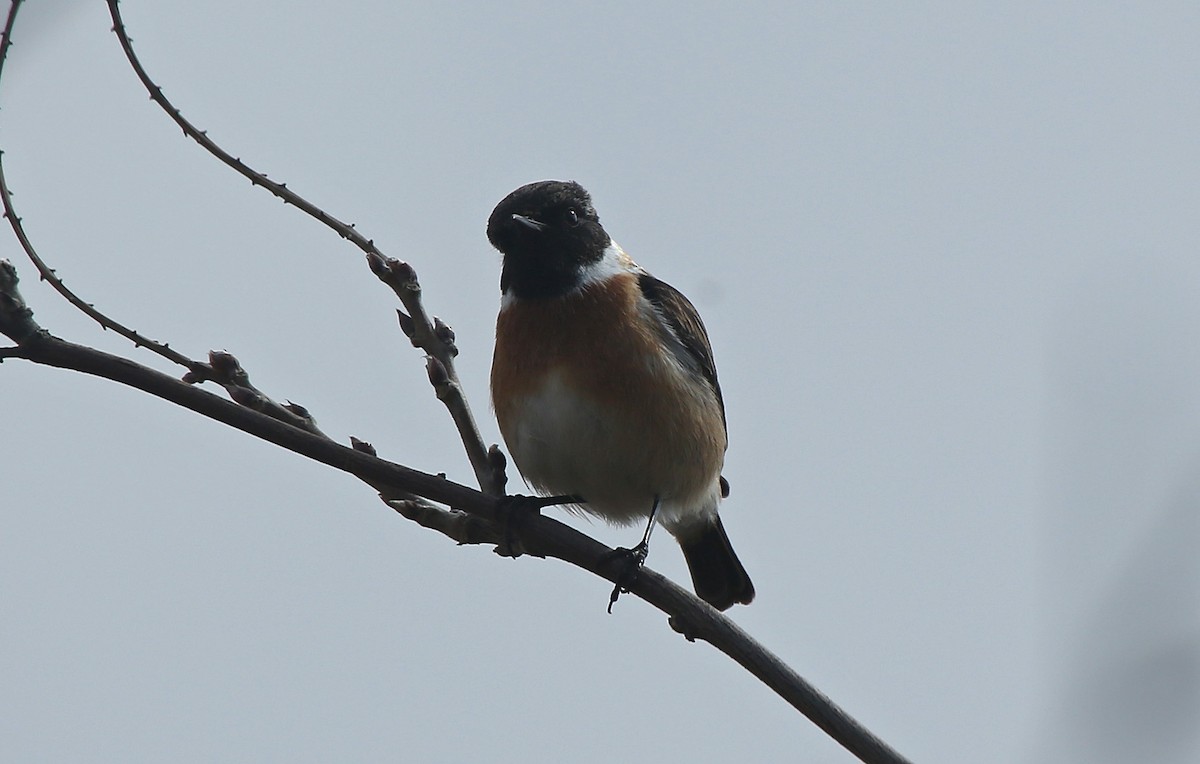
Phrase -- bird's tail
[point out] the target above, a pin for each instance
(717, 574)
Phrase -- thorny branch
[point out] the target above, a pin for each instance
(540, 536)
(196, 369)
(222, 368)
(434, 337)
(473, 515)
(437, 340)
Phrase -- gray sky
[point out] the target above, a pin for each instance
(947, 257)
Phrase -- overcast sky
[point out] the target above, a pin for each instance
(947, 255)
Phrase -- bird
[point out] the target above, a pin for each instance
(604, 386)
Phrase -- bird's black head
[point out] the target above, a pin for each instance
(548, 233)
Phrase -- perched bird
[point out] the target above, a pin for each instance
(604, 385)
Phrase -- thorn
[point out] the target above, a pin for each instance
(298, 410)
(436, 371)
(497, 464)
(403, 271)
(245, 397)
(683, 628)
(443, 331)
(377, 264)
(227, 369)
(445, 335)
(362, 445)
(406, 323)
(496, 458)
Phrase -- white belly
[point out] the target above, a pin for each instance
(564, 443)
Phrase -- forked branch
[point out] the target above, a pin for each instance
(432, 336)
(540, 536)
(473, 516)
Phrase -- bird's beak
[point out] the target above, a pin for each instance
(528, 222)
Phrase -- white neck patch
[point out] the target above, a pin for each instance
(613, 263)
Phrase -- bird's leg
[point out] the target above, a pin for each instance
(512, 511)
(642, 550)
(634, 559)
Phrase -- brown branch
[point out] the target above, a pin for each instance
(459, 526)
(434, 337)
(227, 371)
(222, 368)
(462, 527)
(473, 516)
(437, 340)
(345, 230)
(540, 536)
(196, 369)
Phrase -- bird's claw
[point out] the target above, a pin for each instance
(512, 512)
(634, 559)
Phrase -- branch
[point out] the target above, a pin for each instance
(434, 337)
(196, 370)
(540, 536)
(345, 230)
(437, 340)
(473, 517)
(456, 525)
(228, 372)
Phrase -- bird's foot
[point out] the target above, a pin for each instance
(513, 511)
(632, 561)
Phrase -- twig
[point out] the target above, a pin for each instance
(222, 368)
(196, 370)
(345, 230)
(437, 340)
(227, 371)
(16, 319)
(541, 536)
(462, 527)
(434, 337)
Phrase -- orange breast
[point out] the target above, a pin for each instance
(631, 424)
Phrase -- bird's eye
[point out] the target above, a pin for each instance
(572, 217)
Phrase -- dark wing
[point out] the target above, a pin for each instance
(685, 335)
